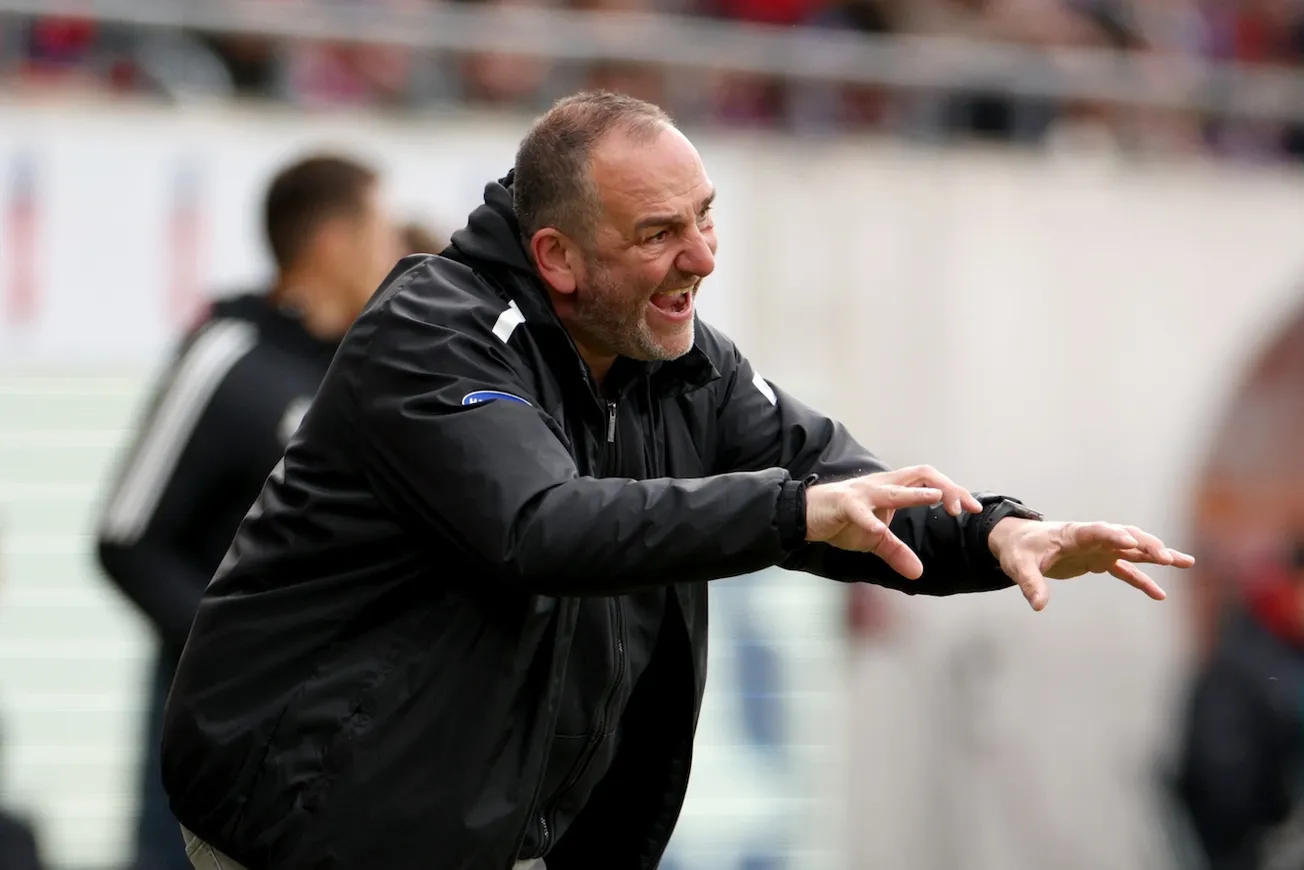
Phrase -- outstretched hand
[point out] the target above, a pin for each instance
(1031, 552)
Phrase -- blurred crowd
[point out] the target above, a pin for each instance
(76, 53)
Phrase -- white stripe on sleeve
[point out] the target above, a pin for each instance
(198, 374)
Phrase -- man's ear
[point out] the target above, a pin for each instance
(557, 259)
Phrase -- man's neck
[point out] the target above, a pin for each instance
(599, 366)
(598, 362)
(322, 313)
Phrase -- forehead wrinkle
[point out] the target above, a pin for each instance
(672, 210)
(636, 180)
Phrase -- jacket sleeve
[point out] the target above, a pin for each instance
(192, 435)
(496, 479)
(761, 426)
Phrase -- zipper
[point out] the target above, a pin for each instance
(546, 839)
(610, 460)
(600, 727)
(619, 612)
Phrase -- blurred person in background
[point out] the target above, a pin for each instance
(342, 74)
(1241, 774)
(1173, 34)
(465, 623)
(824, 107)
(981, 113)
(73, 52)
(255, 65)
(19, 849)
(1257, 32)
(1096, 25)
(499, 78)
(745, 98)
(220, 418)
(641, 80)
(105, 57)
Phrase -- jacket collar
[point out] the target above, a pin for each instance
(280, 325)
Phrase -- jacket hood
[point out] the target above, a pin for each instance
(492, 233)
(491, 242)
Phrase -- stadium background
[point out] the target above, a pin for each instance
(1065, 319)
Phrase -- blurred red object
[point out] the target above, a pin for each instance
(783, 12)
(1274, 595)
(869, 612)
(60, 42)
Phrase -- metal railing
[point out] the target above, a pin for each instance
(803, 53)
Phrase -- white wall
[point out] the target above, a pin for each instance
(1063, 328)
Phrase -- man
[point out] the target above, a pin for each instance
(19, 847)
(1241, 762)
(220, 418)
(464, 626)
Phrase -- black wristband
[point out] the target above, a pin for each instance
(792, 513)
(998, 507)
(1001, 506)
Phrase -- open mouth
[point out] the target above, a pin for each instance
(676, 303)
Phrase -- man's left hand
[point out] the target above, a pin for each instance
(1030, 552)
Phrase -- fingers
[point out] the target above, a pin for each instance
(880, 541)
(1034, 586)
(1103, 535)
(1174, 559)
(955, 498)
(863, 516)
(1157, 553)
(899, 557)
(1133, 544)
(891, 496)
(1150, 545)
(1134, 576)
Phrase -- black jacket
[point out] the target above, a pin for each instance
(1241, 768)
(217, 423)
(19, 849)
(377, 673)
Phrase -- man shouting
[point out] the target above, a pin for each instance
(464, 625)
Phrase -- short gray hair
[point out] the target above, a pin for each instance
(553, 185)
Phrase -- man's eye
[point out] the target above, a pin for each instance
(659, 237)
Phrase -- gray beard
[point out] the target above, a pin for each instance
(618, 332)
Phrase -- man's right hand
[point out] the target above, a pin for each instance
(854, 514)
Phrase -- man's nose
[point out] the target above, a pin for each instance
(698, 256)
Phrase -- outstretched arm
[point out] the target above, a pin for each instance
(963, 543)
(761, 426)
